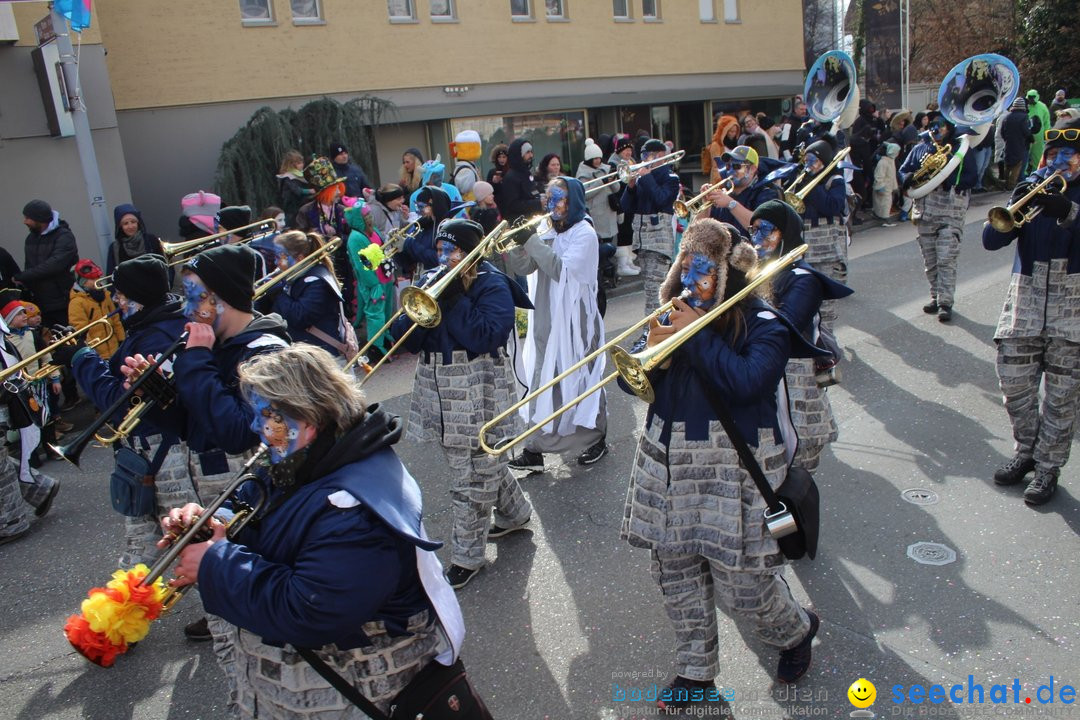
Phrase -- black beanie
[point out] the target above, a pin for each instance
(234, 216)
(144, 279)
(786, 220)
(653, 145)
(228, 271)
(38, 211)
(336, 149)
(466, 234)
(390, 193)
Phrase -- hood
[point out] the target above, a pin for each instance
(575, 205)
(377, 430)
(173, 309)
(439, 201)
(514, 156)
(55, 223)
(271, 324)
(722, 125)
(120, 211)
(432, 167)
(357, 217)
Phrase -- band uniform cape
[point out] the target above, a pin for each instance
(314, 300)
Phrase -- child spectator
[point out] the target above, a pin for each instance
(885, 182)
(86, 304)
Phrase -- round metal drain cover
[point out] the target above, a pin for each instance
(927, 553)
(920, 496)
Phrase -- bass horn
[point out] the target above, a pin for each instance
(830, 92)
(971, 97)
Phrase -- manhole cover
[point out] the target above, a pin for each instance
(927, 553)
(920, 496)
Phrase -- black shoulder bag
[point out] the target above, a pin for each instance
(793, 516)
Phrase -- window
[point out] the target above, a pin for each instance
(559, 132)
(442, 10)
(556, 10)
(650, 9)
(520, 10)
(306, 12)
(256, 12)
(621, 9)
(731, 11)
(401, 10)
(707, 10)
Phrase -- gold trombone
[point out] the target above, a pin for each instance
(263, 285)
(797, 198)
(47, 370)
(1007, 219)
(698, 204)
(633, 368)
(395, 239)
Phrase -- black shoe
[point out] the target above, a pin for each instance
(594, 453)
(46, 504)
(1041, 489)
(528, 460)
(930, 308)
(1014, 471)
(795, 662)
(497, 531)
(199, 631)
(681, 690)
(459, 576)
(944, 313)
(71, 403)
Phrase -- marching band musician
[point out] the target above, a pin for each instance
(749, 193)
(797, 294)
(1038, 335)
(464, 378)
(941, 224)
(690, 501)
(650, 198)
(418, 254)
(153, 320)
(565, 327)
(336, 561)
(311, 303)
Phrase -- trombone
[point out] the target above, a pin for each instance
(1007, 219)
(698, 203)
(263, 285)
(50, 369)
(396, 238)
(632, 368)
(797, 199)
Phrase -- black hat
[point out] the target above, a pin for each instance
(622, 143)
(824, 149)
(653, 145)
(336, 149)
(234, 216)
(1064, 123)
(786, 220)
(466, 234)
(144, 279)
(229, 272)
(38, 211)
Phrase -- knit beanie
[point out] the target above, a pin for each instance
(592, 150)
(785, 219)
(622, 142)
(234, 216)
(336, 149)
(38, 211)
(12, 309)
(466, 234)
(228, 271)
(653, 145)
(201, 208)
(415, 152)
(482, 190)
(32, 310)
(709, 238)
(144, 279)
(1019, 104)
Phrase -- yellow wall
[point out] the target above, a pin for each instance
(28, 13)
(197, 51)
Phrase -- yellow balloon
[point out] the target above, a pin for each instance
(862, 693)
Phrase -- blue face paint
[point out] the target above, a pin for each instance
(280, 432)
(446, 250)
(700, 279)
(555, 195)
(195, 296)
(760, 234)
(1062, 160)
(284, 259)
(809, 160)
(129, 307)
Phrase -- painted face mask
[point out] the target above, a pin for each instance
(446, 252)
(937, 131)
(761, 233)
(280, 432)
(1063, 161)
(127, 306)
(740, 173)
(284, 259)
(199, 303)
(809, 160)
(700, 278)
(555, 196)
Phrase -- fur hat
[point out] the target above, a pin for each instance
(709, 238)
(592, 150)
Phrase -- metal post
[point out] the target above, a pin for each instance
(99, 212)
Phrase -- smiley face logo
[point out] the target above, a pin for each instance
(862, 693)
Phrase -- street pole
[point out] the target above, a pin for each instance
(99, 211)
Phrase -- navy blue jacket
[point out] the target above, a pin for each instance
(148, 332)
(799, 291)
(355, 180)
(750, 198)
(419, 250)
(311, 300)
(310, 573)
(964, 177)
(1042, 239)
(653, 193)
(478, 322)
(827, 201)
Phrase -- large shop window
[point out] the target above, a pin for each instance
(554, 132)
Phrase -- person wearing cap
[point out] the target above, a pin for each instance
(326, 216)
(1037, 335)
(565, 327)
(885, 182)
(797, 294)
(1016, 138)
(131, 239)
(519, 197)
(152, 320)
(750, 191)
(1040, 122)
(464, 378)
(433, 173)
(87, 304)
(198, 214)
(374, 274)
(942, 214)
(650, 195)
(355, 180)
(690, 501)
(485, 211)
(603, 203)
(51, 252)
(623, 152)
(1059, 103)
(466, 150)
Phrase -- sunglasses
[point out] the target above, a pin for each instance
(1069, 134)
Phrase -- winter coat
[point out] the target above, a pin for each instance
(8, 269)
(1016, 132)
(355, 180)
(294, 192)
(605, 220)
(117, 253)
(827, 201)
(50, 256)
(653, 193)
(312, 300)
(83, 310)
(798, 293)
(519, 195)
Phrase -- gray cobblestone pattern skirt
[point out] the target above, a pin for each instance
(277, 684)
(36, 492)
(701, 515)
(811, 413)
(1042, 429)
(828, 253)
(940, 229)
(655, 245)
(172, 488)
(1045, 302)
(450, 403)
(16, 514)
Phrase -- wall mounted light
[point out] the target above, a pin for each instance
(456, 89)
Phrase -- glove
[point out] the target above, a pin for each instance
(1020, 191)
(1054, 205)
(65, 354)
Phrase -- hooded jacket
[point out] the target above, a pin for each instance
(312, 300)
(50, 255)
(117, 253)
(1016, 132)
(420, 250)
(83, 310)
(519, 197)
(336, 552)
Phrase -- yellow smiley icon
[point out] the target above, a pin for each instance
(862, 693)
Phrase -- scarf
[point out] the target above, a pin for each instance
(133, 246)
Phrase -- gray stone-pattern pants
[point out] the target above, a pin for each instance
(277, 684)
(172, 489)
(15, 513)
(1044, 433)
(656, 246)
(654, 270)
(940, 229)
(811, 413)
(828, 253)
(35, 493)
(693, 586)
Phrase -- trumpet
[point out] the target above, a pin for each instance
(1007, 219)
(698, 204)
(632, 368)
(50, 369)
(512, 238)
(797, 198)
(294, 271)
(395, 239)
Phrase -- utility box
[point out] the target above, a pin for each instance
(54, 93)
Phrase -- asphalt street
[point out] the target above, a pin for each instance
(567, 612)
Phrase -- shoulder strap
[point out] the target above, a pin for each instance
(341, 685)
